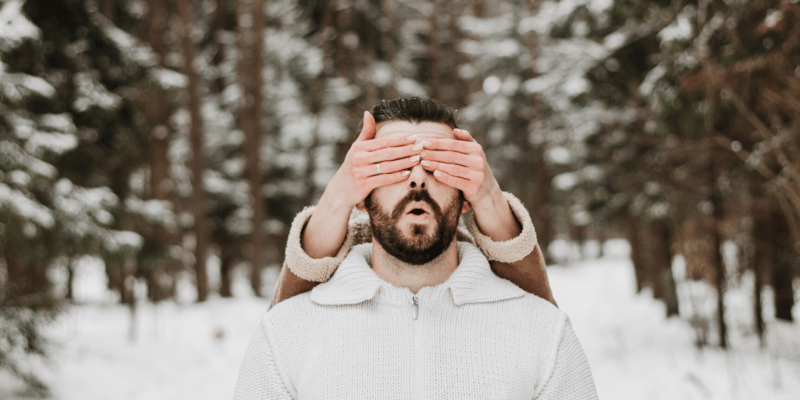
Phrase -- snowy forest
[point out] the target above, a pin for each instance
(171, 143)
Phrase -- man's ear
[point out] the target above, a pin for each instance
(465, 206)
(361, 207)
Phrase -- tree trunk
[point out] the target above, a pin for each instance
(218, 84)
(157, 108)
(25, 277)
(783, 245)
(250, 42)
(661, 265)
(227, 260)
(434, 53)
(540, 207)
(197, 163)
(632, 235)
(760, 258)
(717, 265)
(389, 91)
(70, 278)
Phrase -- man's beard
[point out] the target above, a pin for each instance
(422, 246)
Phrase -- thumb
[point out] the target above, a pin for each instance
(461, 134)
(368, 131)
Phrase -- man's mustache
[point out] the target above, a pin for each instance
(415, 195)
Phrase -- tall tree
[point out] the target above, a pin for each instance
(196, 133)
(251, 41)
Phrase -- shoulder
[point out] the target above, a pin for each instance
(538, 319)
(540, 310)
(293, 308)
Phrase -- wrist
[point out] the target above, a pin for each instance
(495, 239)
(495, 218)
(491, 205)
(333, 205)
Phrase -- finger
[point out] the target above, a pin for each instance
(454, 145)
(368, 130)
(450, 180)
(462, 135)
(451, 169)
(386, 179)
(391, 154)
(389, 167)
(387, 141)
(451, 157)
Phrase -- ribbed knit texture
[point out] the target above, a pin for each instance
(476, 336)
(321, 269)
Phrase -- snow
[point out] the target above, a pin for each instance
(183, 350)
(17, 86)
(649, 83)
(26, 208)
(90, 92)
(123, 241)
(681, 29)
(168, 79)
(158, 212)
(130, 47)
(15, 28)
(553, 13)
(57, 143)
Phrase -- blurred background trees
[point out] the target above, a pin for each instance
(159, 135)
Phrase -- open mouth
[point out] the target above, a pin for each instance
(417, 211)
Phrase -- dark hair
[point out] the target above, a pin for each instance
(415, 110)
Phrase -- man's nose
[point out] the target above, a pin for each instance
(418, 179)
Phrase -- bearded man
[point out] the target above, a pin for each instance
(410, 307)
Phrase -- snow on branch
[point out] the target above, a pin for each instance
(17, 87)
(131, 49)
(15, 27)
(15, 202)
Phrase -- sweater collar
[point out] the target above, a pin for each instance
(472, 281)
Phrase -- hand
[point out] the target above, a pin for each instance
(461, 164)
(359, 173)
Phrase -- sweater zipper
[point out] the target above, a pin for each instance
(415, 363)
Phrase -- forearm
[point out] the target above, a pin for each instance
(325, 232)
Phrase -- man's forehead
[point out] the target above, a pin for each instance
(422, 129)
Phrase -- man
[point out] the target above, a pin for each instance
(414, 313)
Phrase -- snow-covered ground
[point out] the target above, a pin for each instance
(193, 351)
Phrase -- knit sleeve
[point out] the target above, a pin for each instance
(301, 264)
(570, 377)
(511, 250)
(259, 378)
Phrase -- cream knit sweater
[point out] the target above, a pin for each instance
(475, 336)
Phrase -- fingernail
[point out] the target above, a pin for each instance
(437, 174)
(418, 146)
(412, 138)
(425, 143)
(425, 163)
(406, 173)
(423, 154)
(414, 159)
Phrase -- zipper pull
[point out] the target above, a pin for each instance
(416, 307)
